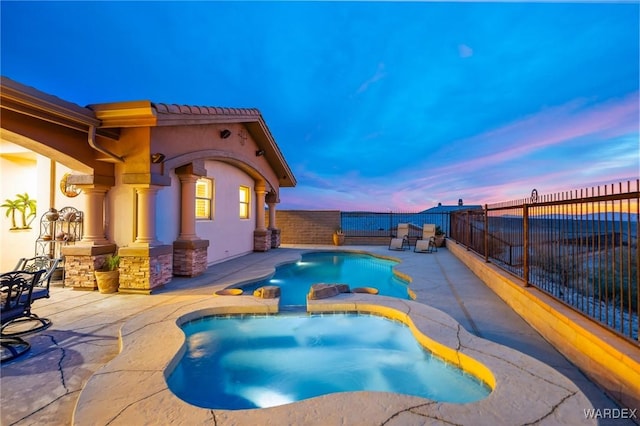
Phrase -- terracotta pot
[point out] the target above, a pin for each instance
(108, 281)
(338, 239)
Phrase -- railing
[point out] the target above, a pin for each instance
(581, 247)
(383, 225)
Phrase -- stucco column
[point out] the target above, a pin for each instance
(260, 199)
(93, 220)
(272, 199)
(272, 215)
(146, 217)
(188, 211)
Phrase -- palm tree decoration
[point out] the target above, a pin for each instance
(26, 203)
(11, 206)
(21, 204)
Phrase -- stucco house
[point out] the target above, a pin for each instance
(172, 189)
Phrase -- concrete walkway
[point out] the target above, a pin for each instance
(43, 387)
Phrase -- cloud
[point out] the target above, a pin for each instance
(566, 147)
(550, 128)
(378, 75)
(465, 51)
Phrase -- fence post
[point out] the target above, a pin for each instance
(469, 232)
(486, 234)
(525, 243)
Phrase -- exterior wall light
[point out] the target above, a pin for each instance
(259, 152)
(225, 133)
(158, 157)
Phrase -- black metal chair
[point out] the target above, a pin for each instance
(32, 264)
(15, 295)
(41, 288)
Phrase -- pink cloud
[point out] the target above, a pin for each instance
(489, 176)
(553, 126)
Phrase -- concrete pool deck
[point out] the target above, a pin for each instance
(44, 386)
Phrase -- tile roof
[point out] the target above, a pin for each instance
(162, 108)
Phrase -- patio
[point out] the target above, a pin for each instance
(43, 386)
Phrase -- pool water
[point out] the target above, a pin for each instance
(354, 269)
(246, 362)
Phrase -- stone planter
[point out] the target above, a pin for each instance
(108, 281)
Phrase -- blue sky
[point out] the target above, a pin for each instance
(375, 105)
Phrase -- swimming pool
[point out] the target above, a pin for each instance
(354, 269)
(250, 362)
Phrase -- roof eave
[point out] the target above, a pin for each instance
(30, 101)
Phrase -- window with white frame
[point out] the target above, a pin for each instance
(204, 199)
(244, 202)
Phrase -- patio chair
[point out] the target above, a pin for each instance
(427, 244)
(40, 289)
(401, 238)
(15, 295)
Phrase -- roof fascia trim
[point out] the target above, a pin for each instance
(30, 101)
(125, 114)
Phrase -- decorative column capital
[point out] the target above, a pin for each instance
(272, 197)
(195, 168)
(260, 188)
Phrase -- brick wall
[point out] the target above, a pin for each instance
(307, 226)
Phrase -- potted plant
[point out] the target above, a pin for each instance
(338, 237)
(108, 277)
(440, 237)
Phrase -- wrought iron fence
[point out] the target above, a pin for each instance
(580, 246)
(384, 224)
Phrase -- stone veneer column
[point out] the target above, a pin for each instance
(272, 200)
(261, 235)
(84, 257)
(146, 264)
(189, 251)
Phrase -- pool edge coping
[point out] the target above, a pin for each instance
(526, 390)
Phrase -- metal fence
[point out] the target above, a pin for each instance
(580, 246)
(384, 224)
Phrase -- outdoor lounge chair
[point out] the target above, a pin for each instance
(401, 238)
(15, 293)
(40, 289)
(427, 243)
